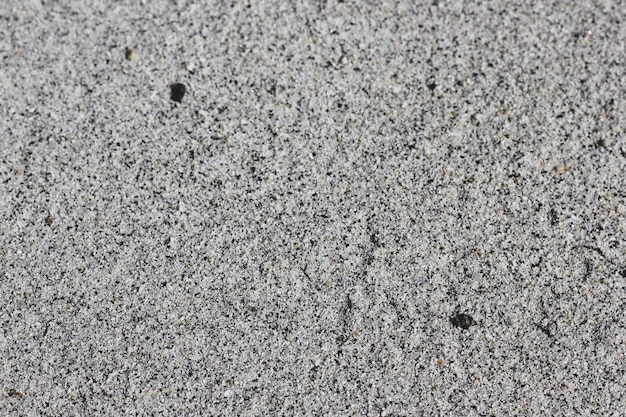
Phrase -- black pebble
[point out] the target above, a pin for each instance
(464, 321)
(178, 92)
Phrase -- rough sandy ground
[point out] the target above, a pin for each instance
(302, 232)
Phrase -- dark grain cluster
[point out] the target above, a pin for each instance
(464, 321)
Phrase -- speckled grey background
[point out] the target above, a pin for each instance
(293, 238)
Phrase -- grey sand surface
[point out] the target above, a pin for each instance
(356, 209)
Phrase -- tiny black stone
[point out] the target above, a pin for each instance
(464, 321)
(432, 86)
(177, 92)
